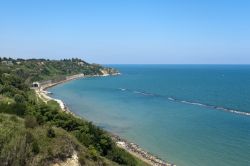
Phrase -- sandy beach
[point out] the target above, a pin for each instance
(132, 148)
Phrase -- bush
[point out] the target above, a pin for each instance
(50, 153)
(13, 108)
(121, 156)
(30, 122)
(93, 152)
(29, 137)
(13, 118)
(82, 160)
(19, 98)
(51, 133)
(35, 147)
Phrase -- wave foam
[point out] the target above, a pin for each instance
(189, 102)
(210, 106)
(143, 93)
(122, 89)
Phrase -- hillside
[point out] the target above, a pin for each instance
(43, 69)
(38, 133)
(25, 144)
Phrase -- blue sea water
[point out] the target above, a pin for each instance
(180, 113)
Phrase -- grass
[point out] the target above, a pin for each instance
(6, 100)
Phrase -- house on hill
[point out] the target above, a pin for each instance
(80, 63)
(7, 63)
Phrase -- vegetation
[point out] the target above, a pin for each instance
(32, 146)
(42, 69)
(36, 133)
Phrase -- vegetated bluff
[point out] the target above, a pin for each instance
(36, 133)
(41, 69)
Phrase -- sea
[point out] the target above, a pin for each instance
(189, 115)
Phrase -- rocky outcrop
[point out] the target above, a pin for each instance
(109, 71)
(72, 161)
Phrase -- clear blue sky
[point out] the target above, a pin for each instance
(127, 31)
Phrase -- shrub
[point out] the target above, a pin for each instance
(13, 118)
(30, 122)
(121, 156)
(81, 160)
(51, 133)
(50, 153)
(29, 137)
(16, 108)
(93, 152)
(35, 147)
(19, 98)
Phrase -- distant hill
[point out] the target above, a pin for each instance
(44, 69)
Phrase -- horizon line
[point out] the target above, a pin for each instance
(174, 63)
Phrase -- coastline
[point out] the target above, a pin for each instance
(130, 147)
(138, 152)
(43, 93)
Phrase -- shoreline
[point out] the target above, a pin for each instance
(138, 152)
(130, 147)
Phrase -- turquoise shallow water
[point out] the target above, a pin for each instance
(178, 112)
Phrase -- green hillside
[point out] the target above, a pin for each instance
(22, 144)
(41, 69)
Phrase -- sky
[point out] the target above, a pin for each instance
(127, 31)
